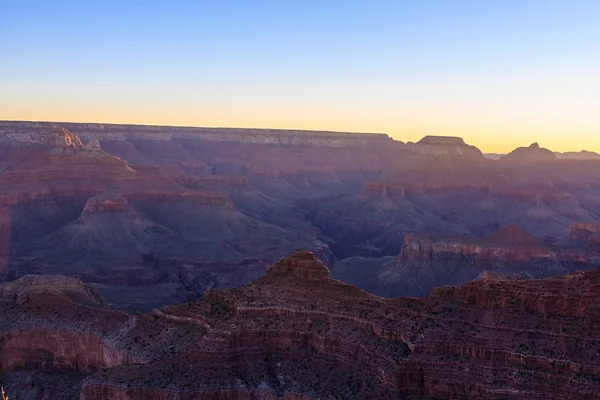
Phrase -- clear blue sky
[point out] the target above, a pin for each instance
(500, 73)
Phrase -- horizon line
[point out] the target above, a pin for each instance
(200, 127)
(277, 129)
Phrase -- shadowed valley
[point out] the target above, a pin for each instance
(156, 215)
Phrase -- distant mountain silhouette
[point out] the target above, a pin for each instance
(581, 155)
(533, 153)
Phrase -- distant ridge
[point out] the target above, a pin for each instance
(493, 156)
(581, 155)
(446, 147)
(47, 125)
(433, 142)
(533, 153)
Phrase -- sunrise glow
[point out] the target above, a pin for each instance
(500, 74)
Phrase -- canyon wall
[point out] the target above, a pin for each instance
(295, 333)
(180, 210)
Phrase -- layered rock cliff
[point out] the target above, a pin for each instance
(427, 261)
(461, 197)
(188, 209)
(584, 234)
(446, 147)
(88, 214)
(297, 334)
(29, 132)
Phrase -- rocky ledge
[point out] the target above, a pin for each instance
(505, 248)
(20, 131)
(430, 260)
(435, 260)
(584, 234)
(298, 334)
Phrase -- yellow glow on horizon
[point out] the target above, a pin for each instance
(496, 117)
(488, 140)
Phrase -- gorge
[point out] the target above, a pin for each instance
(155, 215)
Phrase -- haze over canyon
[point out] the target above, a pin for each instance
(278, 264)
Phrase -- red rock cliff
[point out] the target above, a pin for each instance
(296, 333)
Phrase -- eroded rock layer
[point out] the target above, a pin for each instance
(429, 260)
(298, 334)
(138, 210)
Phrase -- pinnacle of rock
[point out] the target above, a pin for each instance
(302, 264)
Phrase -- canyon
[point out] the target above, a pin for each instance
(152, 262)
(156, 215)
(296, 333)
(427, 261)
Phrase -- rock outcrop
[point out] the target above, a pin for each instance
(461, 197)
(446, 147)
(509, 248)
(427, 261)
(189, 209)
(291, 336)
(39, 285)
(302, 264)
(531, 154)
(574, 295)
(584, 234)
(29, 132)
(88, 214)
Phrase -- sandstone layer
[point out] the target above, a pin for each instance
(136, 209)
(448, 147)
(298, 334)
(427, 261)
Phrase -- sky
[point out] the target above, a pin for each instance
(499, 73)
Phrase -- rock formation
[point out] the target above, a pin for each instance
(584, 234)
(427, 261)
(447, 147)
(297, 334)
(88, 214)
(40, 285)
(30, 131)
(531, 154)
(139, 209)
(303, 265)
(581, 155)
